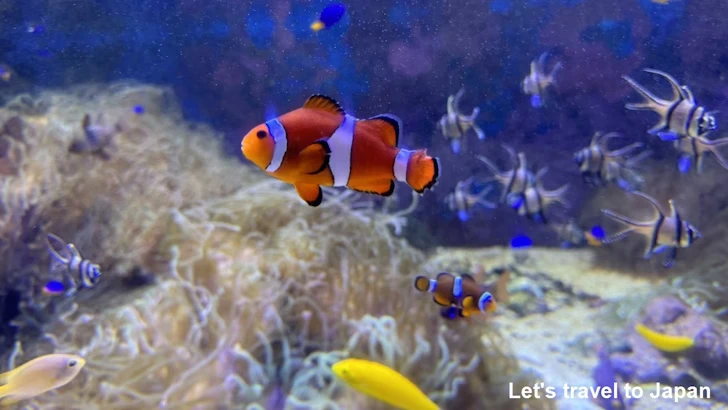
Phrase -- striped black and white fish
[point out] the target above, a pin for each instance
(454, 125)
(666, 232)
(693, 151)
(535, 199)
(680, 116)
(74, 266)
(513, 182)
(462, 200)
(98, 135)
(599, 166)
(538, 81)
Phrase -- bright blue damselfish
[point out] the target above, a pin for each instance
(521, 241)
(54, 287)
(332, 14)
(598, 232)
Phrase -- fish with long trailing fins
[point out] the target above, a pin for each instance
(38, 376)
(600, 166)
(538, 81)
(513, 182)
(68, 258)
(536, 199)
(693, 151)
(454, 125)
(680, 116)
(460, 294)
(321, 145)
(382, 383)
(98, 137)
(462, 201)
(667, 231)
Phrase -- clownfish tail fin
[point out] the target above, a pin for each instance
(422, 171)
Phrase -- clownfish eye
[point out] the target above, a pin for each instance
(261, 134)
(72, 363)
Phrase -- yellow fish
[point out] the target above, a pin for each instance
(666, 343)
(382, 383)
(39, 376)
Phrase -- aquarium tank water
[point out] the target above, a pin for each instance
(363, 205)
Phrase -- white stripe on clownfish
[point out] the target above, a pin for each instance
(400, 165)
(340, 145)
(280, 144)
(457, 287)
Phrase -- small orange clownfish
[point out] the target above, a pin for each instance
(319, 144)
(461, 292)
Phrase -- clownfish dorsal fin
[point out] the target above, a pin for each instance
(324, 103)
(386, 127)
(468, 278)
(442, 274)
(314, 159)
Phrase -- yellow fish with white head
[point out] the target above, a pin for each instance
(39, 376)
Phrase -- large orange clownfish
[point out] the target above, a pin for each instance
(319, 144)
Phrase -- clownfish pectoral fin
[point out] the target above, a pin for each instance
(386, 127)
(310, 193)
(468, 302)
(323, 103)
(383, 188)
(440, 300)
(314, 158)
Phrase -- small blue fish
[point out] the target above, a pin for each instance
(598, 232)
(331, 15)
(521, 241)
(54, 288)
(139, 109)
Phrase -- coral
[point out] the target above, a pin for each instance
(706, 362)
(256, 294)
(115, 210)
